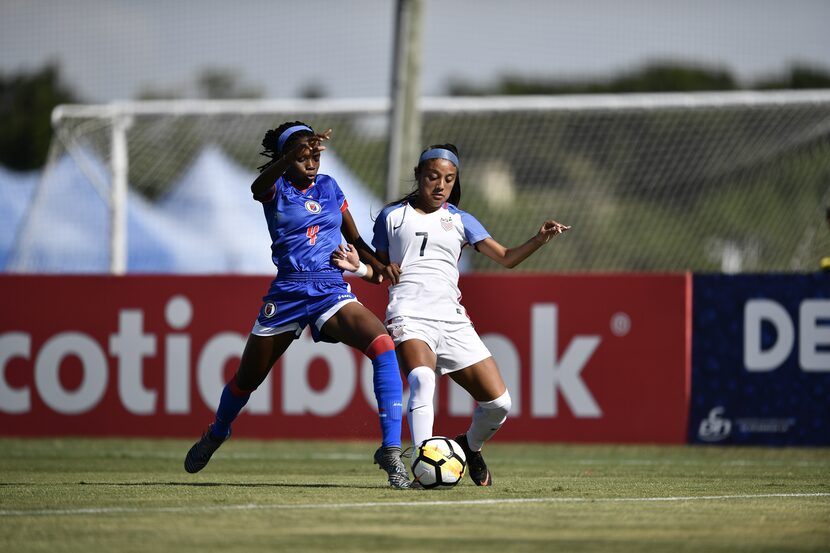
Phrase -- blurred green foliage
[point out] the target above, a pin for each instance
(26, 103)
(664, 76)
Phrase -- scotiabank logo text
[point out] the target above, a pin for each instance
(555, 370)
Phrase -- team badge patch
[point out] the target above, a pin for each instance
(446, 223)
(313, 207)
(269, 309)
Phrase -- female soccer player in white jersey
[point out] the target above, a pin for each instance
(306, 214)
(420, 239)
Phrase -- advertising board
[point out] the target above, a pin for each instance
(587, 358)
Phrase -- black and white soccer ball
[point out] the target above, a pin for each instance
(438, 462)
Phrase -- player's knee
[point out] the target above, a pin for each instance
(498, 408)
(421, 385)
(381, 344)
(245, 382)
(508, 404)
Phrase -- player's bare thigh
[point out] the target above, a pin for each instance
(414, 353)
(354, 325)
(260, 354)
(482, 380)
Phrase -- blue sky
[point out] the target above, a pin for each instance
(112, 49)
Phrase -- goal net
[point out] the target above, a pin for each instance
(705, 182)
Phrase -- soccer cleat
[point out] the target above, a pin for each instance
(199, 455)
(389, 459)
(479, 473)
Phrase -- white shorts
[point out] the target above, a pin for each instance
(456, 344)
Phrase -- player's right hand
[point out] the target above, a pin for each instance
(550, 229)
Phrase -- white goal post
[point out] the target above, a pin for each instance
(121, 115)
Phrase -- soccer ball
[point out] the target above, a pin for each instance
(438, 462)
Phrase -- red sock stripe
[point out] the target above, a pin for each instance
(381, 344)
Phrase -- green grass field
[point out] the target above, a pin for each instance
(133, 495)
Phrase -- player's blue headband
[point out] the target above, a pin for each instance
(286, 134)
(440, 153)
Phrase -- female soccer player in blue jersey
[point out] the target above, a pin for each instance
(306, 213)
(420, 239)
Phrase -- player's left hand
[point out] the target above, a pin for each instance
(550, 229)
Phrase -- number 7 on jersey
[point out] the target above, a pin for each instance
(424, 243)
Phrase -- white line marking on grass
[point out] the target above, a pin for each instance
(695, 462)
(385, 504)
(355, 456)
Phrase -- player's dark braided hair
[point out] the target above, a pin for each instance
(271, 138)
(455, 195)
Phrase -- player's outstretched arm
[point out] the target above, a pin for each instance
(510, 257)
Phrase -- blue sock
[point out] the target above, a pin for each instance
(230, 404)
(389, 395)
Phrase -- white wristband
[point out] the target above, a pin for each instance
(362, 270)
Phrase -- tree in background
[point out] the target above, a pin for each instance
(656, 77)
(26, 103)
(799, 77)
(210, 84)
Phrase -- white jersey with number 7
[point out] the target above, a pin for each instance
(427, 247)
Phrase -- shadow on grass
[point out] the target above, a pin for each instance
(227, 484)
(197, 484)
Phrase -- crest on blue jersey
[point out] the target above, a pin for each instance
(269, 309)
(446, 223)
(313, 207)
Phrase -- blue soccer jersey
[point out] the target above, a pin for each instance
(305, 225)
(305, 229)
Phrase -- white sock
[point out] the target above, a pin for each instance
(487, 419)
(421, 413)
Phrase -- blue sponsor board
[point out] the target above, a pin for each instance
(761, 359)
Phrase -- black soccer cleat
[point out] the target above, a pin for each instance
(199, 455)
(479, 473)
(389, 459)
